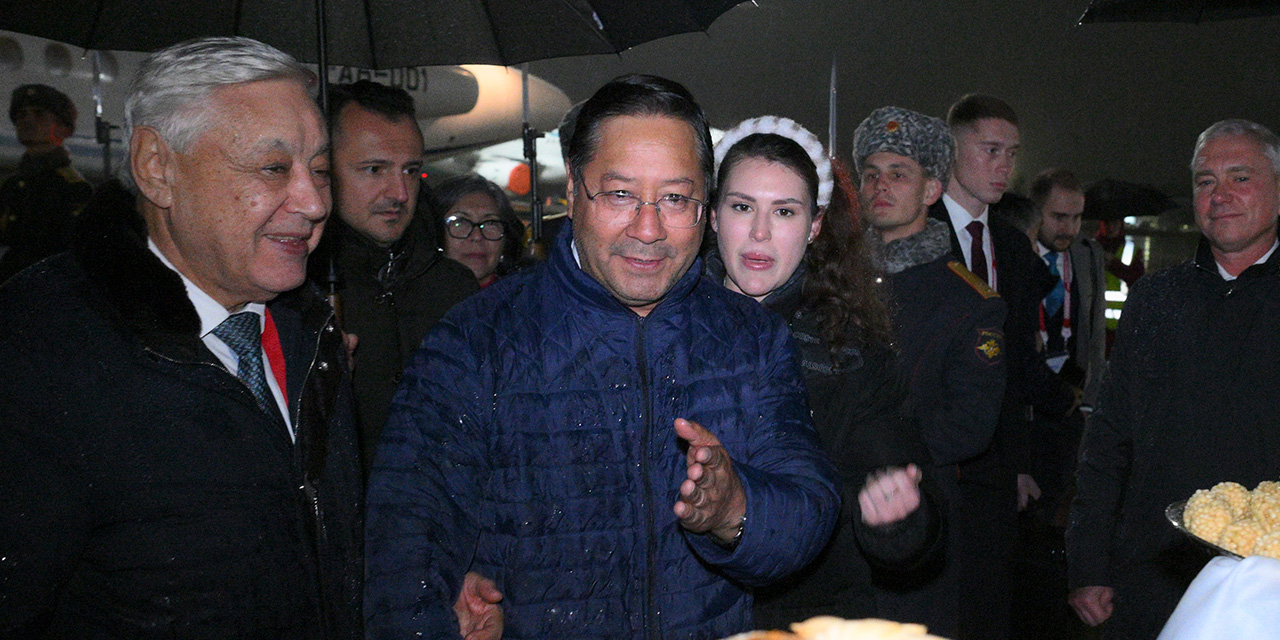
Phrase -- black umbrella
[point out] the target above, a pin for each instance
(1176, 10)
(374, 34)
(1110, 199)
(377, 34)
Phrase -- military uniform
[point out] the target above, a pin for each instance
(38, 206)
(951, 350)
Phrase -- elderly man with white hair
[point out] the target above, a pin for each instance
(177, 448)
(1189, 398)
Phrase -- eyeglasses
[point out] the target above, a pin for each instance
(461, 228)
(621, 207)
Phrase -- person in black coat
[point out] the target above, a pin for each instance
(1189, 398)
(948, 328)
(392, 283)
(987, 144)
(788, 238)
(177, 444)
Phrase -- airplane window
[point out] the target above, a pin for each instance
(10, 54)
(108, 67)
(57, 59)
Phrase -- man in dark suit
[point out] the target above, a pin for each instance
(177, 445)
(1072, 327)
(987, 144)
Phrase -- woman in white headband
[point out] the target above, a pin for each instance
(787, 235)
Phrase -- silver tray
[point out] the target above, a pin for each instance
(1174, 513)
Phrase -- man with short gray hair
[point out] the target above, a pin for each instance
(1189, 399)
(177, 444)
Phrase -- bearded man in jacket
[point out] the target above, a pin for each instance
(177, 446)
(610, 445)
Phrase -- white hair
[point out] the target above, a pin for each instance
(170, 92)
(1236, 127)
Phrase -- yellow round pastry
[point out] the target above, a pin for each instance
(832, 628)
(1206, 515)
(1265, 508)
(1268, 545)
(1240, 536)
(1236, 495)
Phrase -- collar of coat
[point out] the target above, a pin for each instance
(1205, 261)
(144, 296)
(933, 242)
(589, 290)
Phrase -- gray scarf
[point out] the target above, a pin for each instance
(904, 253)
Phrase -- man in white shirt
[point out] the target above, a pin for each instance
(1189, 398)
(177, 443)
(987, 145)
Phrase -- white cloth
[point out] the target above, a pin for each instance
(960, 219)
(1236, 599)
(211, 315)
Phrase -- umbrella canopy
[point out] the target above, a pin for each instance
(374, 34)
(1116, 199)
(1177, 10)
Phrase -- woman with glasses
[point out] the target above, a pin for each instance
(478, 227)
(787, 235)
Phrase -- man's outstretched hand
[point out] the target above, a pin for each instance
(711, 497)
(479, 608)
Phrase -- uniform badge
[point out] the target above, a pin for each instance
(989, 346)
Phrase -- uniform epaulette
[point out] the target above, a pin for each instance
(70, 174)
(972, 280)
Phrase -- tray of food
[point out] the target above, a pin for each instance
(1232, 520)
(833, 628)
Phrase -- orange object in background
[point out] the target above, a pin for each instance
(518, 181)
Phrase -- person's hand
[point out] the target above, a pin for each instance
(351, 340)
(1028, 490)
(479, 608)
(712, 499)
(890, 495)
(1092, 604)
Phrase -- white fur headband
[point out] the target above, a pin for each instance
(786, 128)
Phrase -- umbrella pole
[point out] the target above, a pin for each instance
(102, 128)
(530, 137)
(322, 99)
(831, 113)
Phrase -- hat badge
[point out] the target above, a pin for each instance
(891, 126)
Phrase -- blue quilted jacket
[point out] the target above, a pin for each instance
(532, 441)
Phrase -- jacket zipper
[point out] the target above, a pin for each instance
(651, 623)
(313, 498)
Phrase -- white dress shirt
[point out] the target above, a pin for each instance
(960, 218)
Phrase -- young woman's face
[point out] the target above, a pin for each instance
(764, 222)
(475, 250)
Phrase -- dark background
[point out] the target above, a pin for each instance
(1119, 100)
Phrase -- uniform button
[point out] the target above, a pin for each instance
(395, 378)
(330, 328)
(323, 366)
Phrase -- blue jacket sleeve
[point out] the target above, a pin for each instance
(793, 499)
(424, 493)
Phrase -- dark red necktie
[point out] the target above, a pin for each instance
(977, 257)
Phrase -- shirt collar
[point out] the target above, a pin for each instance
(1227, 276)
(960, 217)
(211, 313)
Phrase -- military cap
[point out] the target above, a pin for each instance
(46, 98)
(922, 138)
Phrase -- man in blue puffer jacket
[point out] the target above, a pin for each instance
(608, 446)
